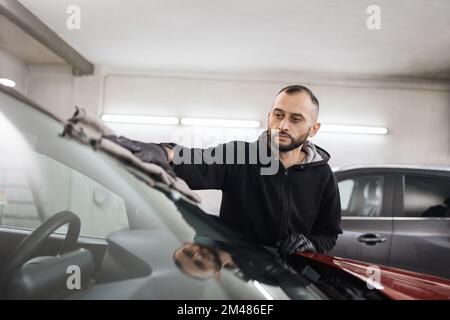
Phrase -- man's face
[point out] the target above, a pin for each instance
(198, 261)
(295, 117)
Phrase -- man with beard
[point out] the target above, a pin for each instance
(296, 209)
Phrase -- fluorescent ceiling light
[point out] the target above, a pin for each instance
(220, 123)
(140, 119)
(7, 82)
(335, 128)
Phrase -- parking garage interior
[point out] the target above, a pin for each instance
(202, 73)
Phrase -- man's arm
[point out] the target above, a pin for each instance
(201, 168)
(327, 225)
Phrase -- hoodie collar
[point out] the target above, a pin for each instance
(315, 155)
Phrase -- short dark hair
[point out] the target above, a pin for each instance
(295, 88)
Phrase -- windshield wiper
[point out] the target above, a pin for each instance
(90, 130)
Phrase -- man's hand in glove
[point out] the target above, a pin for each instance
(146, 152)
(296, 242)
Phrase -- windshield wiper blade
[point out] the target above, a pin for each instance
(90, 130)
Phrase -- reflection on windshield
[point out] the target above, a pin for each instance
(207, 258)
(203, 262)
(217, 249)
(33, 187)
(17, 163)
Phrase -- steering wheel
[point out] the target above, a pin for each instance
(28, 247)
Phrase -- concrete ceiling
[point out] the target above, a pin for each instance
(23, 46)
(319, 36)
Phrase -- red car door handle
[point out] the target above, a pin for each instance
(371, 239)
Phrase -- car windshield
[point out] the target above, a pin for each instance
(42, 173)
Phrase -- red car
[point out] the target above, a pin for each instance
(395, 283)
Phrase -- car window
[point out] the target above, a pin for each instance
(34, 187)
(362, 196)
(426, 197)
(345, 191)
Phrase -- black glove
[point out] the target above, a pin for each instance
(146, 152)
(296, 242)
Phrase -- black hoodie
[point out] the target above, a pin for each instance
(303, 198)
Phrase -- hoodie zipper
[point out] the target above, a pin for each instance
(285, 198)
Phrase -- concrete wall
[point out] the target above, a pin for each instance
(416, 113)
(56, 88)
(14, 69)
(53, 86)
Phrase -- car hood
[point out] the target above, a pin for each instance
(393, 282)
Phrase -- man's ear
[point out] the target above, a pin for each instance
(315, 127)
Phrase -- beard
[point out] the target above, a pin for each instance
(295, 142)
(215, 255)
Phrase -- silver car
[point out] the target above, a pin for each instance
(396, 215)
